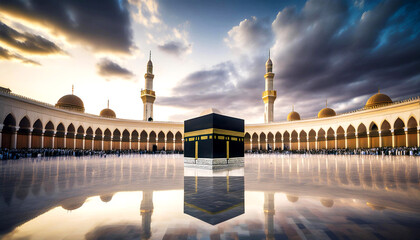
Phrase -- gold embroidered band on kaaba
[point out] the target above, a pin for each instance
(214, 131)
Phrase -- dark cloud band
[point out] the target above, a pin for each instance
(108, 68)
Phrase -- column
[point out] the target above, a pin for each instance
(307, 143)
(368, 139)
(345, 141)
(274, 143)
(42, 137)
(93, 142)
(138, 143)
(174, 145)
(1, 136)
(380, 138)
(357, 139)
(14, 138)
(266, 144)
(182, 144)
(393, 137)
(157, 141)
(102, 142)
(112, 141)
(120, 142)
(406, 136)
(298, 139)
(30, 137)
(282, 143)
(84, 142)
(65, 138)
(418, 137)
(147, 143)
(129, 143)
(335, 141)
(259, 144)
(316, 142)
(53, 139)
(74, 140)
(166, 145)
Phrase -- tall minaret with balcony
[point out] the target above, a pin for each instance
(148, 95)
(269, 95)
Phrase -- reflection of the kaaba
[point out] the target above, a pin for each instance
(213, 196)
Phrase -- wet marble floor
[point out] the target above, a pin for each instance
(155, 197)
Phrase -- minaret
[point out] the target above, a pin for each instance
(269, 212)
(269, 95)
(148, 95)
(146, 211)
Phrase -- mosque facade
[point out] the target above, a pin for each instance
(28, 123)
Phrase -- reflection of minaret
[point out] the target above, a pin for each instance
(269, 215)
(148, 95)
(146, 211)
(269, 95)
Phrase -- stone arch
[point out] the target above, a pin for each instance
(362, 135)
(374, 135)
(36, 134)
(254, 141)
(351, 137)
(9, 128)
(340, 137)
(134, 140)
(286, 140)
(107, 139)
(170, 141)
(98, 139)
(161, 141)
(330, 139)
(60, 136)
(152, 140)
(125, 140)
(278, 141)
(263, 143)
(399, 133)
(70, 136)
(143, 140)
(116, 139)
(178, 141)
(23, 133)
(303, 139)
(294, 140)
(322, 143)
(247, 141)
(270, 141)
(312, 139)
(88, 138)
(412, 132)
(386, 135)
(79, 137)
(49, 135)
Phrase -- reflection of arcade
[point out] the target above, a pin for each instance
(213, 197)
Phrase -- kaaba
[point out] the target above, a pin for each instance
(213, 140)
(213, 197)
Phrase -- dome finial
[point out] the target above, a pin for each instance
(150, 55)
(72, 89)
(326, 102)
(268, 53)
(379, 90)
(108, 104)
(293, 108)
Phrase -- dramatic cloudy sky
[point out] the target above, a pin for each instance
(211, 53)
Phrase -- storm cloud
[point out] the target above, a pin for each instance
(103, 26)
(175, 48)
(7, 55)
(27, 42)
(327, 50)
(110, 69)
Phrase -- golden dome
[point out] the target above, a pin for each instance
(71, 102)
(293, 116)
(378, 99)
(292, 198)
(108, 113)
(326, 112)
